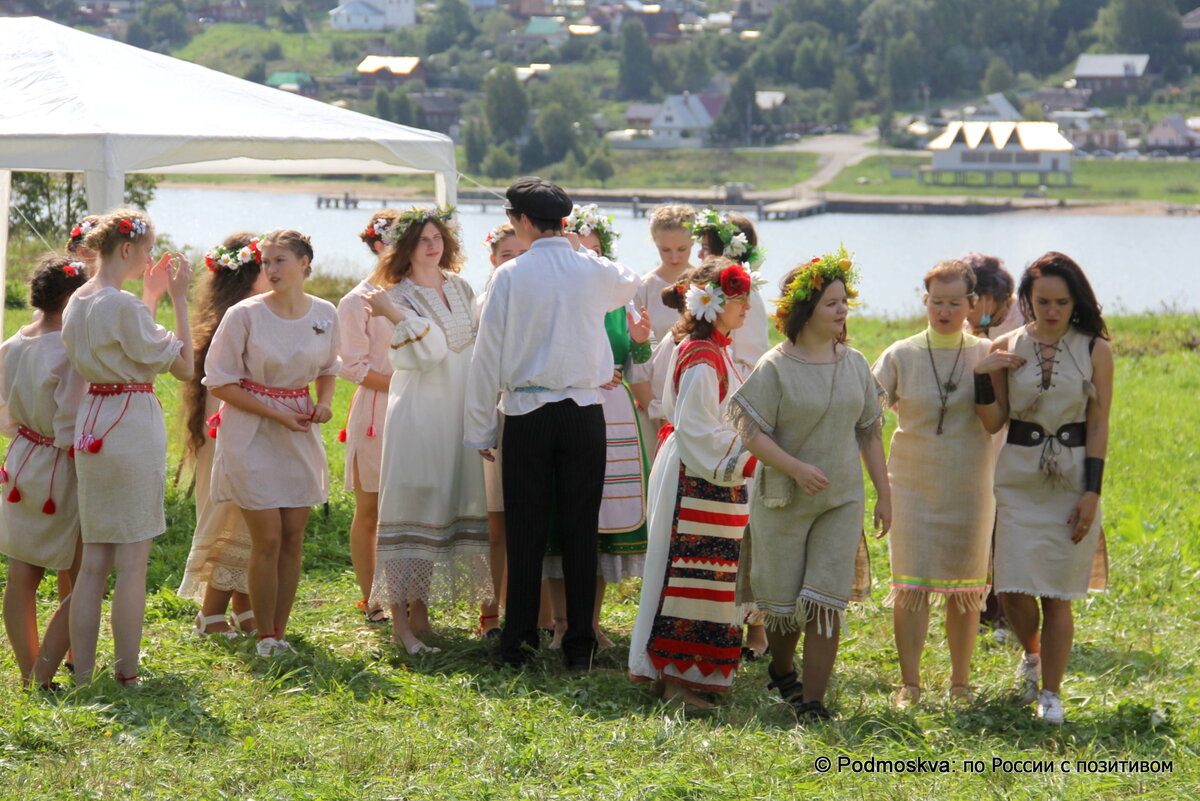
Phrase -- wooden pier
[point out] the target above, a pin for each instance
(791, 209)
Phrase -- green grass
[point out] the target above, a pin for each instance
(233, 48)
(350, 717)
(1170, 181)
(701, 169)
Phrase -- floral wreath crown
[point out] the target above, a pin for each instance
(735, 244)
(219, 258)
(377, 228)
(836, 266)
(413, 216)
(584, 220)
(74, 269)
(706, 301)
(496, 234)
(131, 227)
(82, 229)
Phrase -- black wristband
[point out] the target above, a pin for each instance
(985, 393)
(1093, 474)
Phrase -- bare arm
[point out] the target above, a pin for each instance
(642, 394)
(1085, 511)
(376, 380)
(871, 451)
(807, 476)
(323, 410)
(179, 276)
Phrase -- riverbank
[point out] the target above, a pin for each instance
(845, 202)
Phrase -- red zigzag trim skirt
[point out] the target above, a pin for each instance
(696, 638)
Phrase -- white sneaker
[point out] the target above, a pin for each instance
(1050, 708)
(267, 646)
(284, 647)
(1029, 673)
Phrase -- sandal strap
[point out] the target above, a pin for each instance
(208, 620)
(813, 710)
(244, 616)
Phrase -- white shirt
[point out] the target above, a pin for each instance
(542, 329)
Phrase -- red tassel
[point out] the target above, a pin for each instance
(48, 508)
(95, 445)
(71, 452)
(370, 431)
(15, 495)
(3, 475)
(342, 435)
(212, 432)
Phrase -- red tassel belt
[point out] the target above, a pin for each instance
(273, 392)
(35, 437)
(118, 389)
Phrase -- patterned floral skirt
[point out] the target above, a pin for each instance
(696, 638)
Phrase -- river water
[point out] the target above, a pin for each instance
(1135, 263)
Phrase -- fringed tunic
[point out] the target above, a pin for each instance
(689, 628)
(1037, 486)
(432, 537)
(806, 555)
(40, 394)
(942, 504)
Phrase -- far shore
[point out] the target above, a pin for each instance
(416, 194)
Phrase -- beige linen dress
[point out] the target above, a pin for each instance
(942, 504)
(39, 391)
(111, 338)
(220, 553)
(804, 550)
(432, 538)
(364, 342)
(1038, 486)
(259, 463)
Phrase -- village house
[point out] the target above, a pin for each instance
(437, 111)
(1191, 25)
(1114, 73)
(300, 83)
(999, 148)
(373, 15)
(389, 71)
(1172, 133)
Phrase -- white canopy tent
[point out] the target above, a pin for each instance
(74, 102)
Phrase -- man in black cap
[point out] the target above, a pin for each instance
(542, 349)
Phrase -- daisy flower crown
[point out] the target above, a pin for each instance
(413, 216)
(735, 244)
(584, 220)
(706, 301)
(220, 258)
(836, 266)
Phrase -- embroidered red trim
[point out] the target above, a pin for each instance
(35, 437)
(702, 351)
(118, 389)
(273, 392)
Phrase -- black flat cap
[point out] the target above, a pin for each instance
(537, 198)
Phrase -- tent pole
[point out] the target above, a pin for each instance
(104, 192)
(5, 201)
(446, 188)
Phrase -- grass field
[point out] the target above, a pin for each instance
(351, 717)
(1170, 181)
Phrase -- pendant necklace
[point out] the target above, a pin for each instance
(944, 389)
